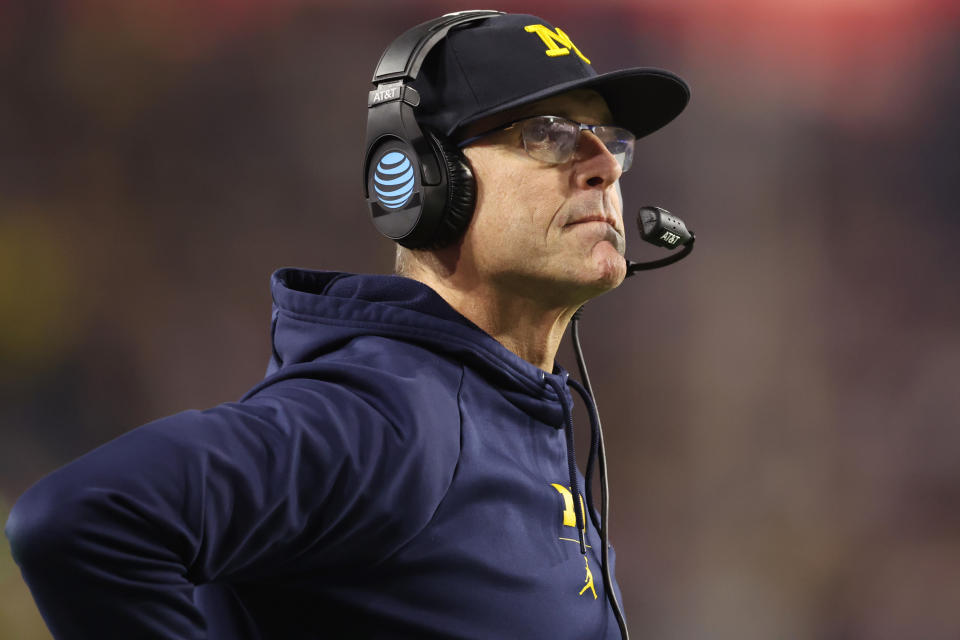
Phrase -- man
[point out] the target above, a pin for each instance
(406, 468)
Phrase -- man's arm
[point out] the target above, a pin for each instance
(113, 544)
(106, 542)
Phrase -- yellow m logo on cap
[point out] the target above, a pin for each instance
(558, 43)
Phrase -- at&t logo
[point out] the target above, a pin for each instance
(393, 180)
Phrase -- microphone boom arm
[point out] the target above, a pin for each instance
(633, 267)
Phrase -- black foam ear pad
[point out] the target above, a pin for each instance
(461, 193)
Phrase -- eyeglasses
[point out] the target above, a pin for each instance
(554, 140)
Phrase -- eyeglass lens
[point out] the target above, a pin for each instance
(554, 140)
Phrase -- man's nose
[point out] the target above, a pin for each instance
(596, 166)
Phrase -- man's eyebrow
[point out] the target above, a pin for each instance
(563, 112)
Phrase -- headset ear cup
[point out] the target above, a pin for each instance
(461, 193)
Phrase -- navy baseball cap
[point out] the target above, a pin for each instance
(506, 61)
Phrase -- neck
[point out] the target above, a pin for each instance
(529, 327)
(526, 328)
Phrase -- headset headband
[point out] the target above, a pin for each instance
(402, 59)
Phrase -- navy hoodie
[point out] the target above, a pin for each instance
(397, 474)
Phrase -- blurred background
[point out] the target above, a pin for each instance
(781, 408)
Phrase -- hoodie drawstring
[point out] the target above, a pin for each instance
(595, 453)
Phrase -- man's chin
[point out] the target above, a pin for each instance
(609, 266)
(602, 274)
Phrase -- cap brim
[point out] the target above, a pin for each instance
(641, 100)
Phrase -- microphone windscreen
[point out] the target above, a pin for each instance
(658, 226)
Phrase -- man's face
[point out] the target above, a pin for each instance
(551, 232)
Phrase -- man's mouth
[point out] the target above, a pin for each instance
(594, 218)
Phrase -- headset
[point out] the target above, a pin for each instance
(419, 186)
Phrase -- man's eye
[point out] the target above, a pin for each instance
(539, 132)
(557, 131)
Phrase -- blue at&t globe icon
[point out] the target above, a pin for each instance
(393, 180)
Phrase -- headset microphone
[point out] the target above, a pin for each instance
(660, 227)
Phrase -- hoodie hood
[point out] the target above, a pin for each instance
(317, 312)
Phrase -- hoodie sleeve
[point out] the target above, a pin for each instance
(304, 475)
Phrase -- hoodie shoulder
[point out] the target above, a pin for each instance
(408, 386)
(384, 424)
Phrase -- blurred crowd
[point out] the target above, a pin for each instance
(781, 408)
